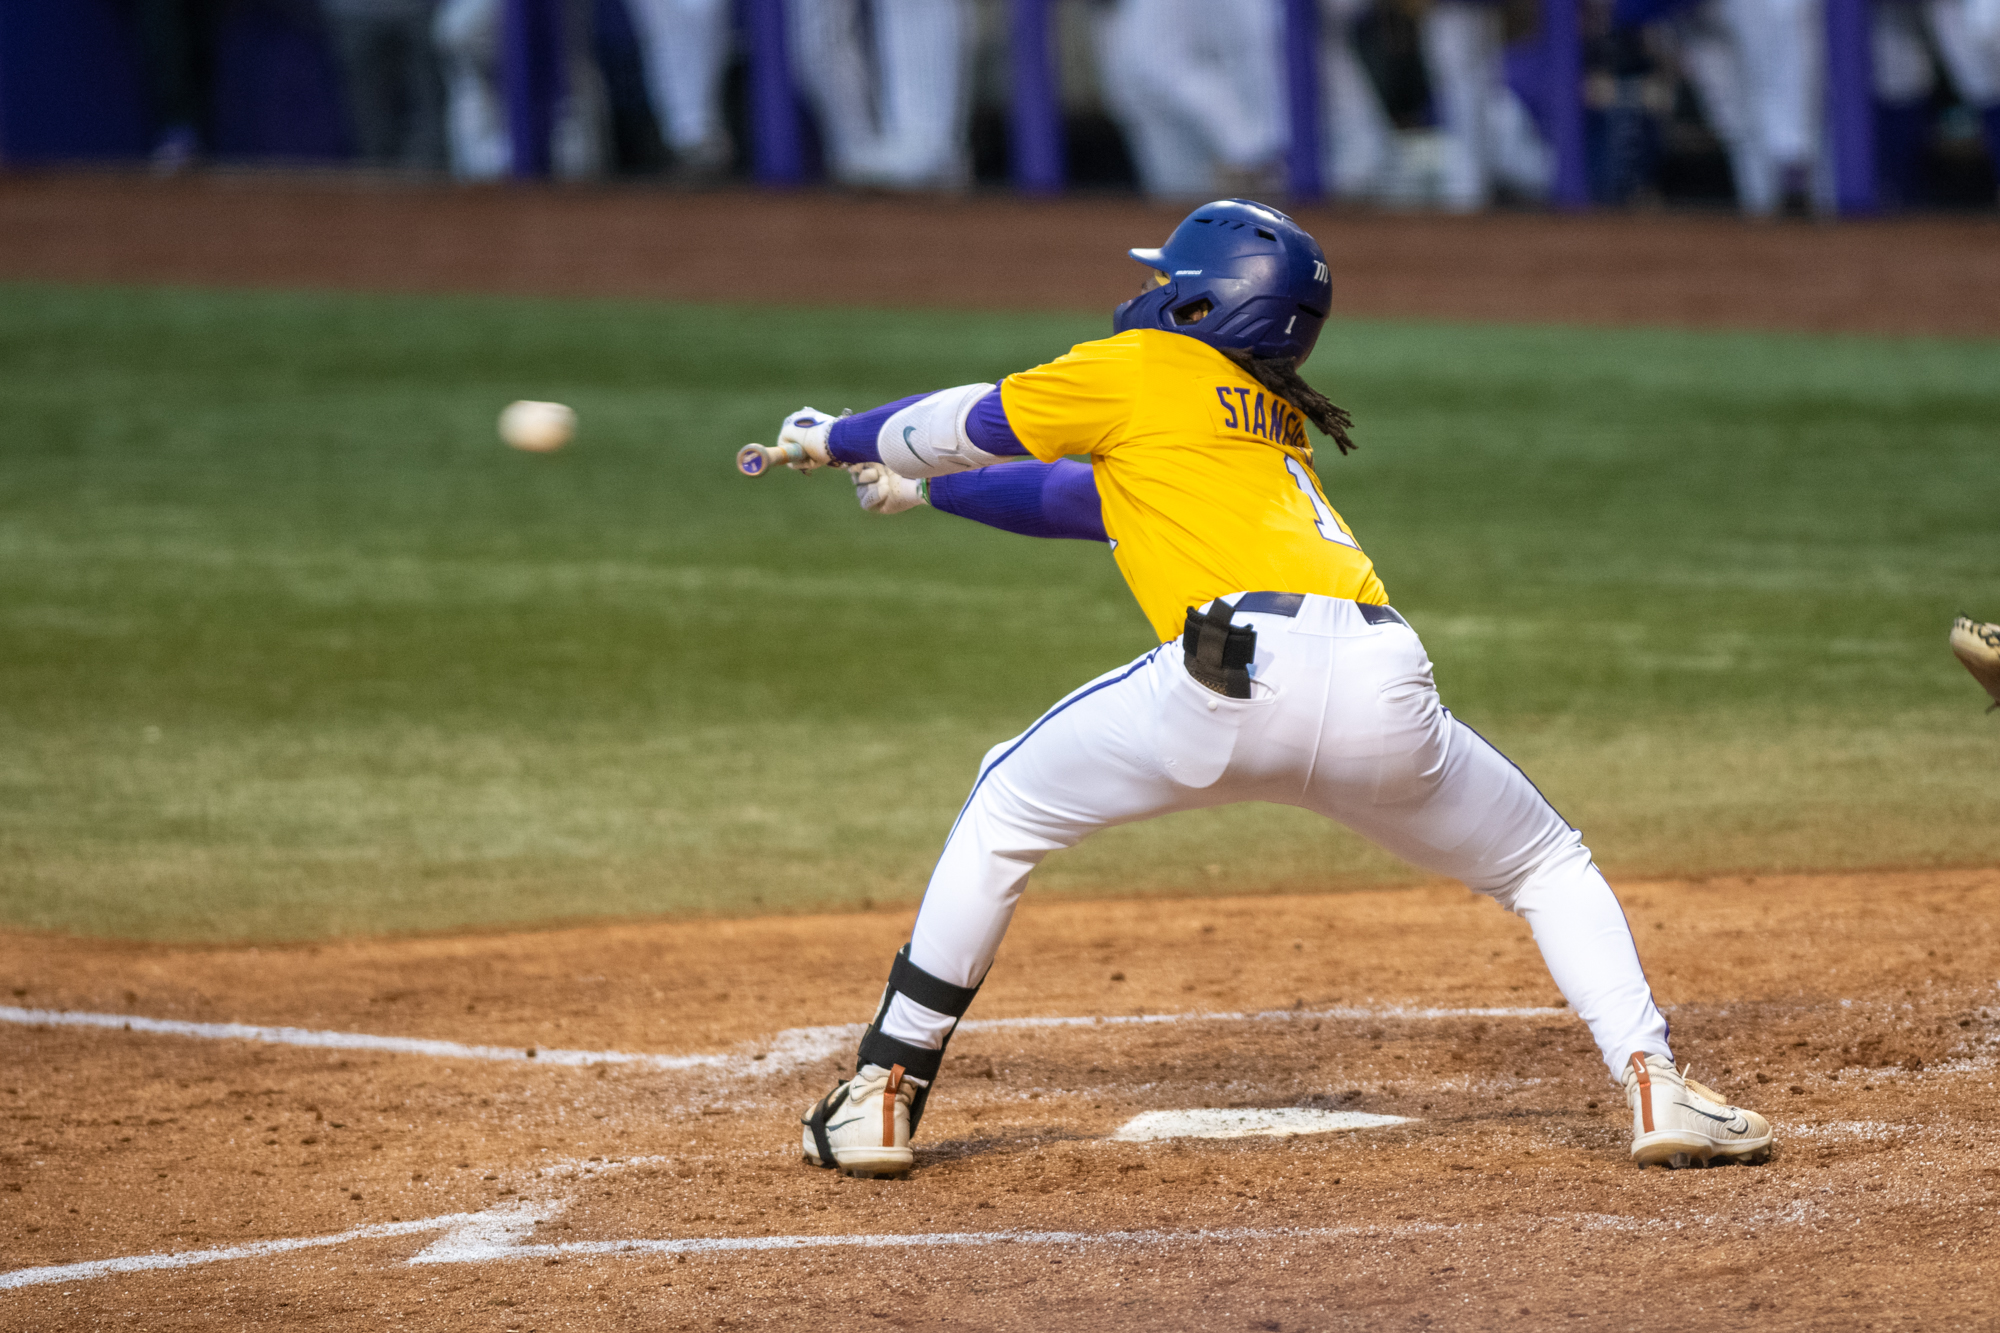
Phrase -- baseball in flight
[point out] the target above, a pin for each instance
(539, 428)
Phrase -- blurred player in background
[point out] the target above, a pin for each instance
(467, 33)
(1757, 69)
(395, 92)
(687, 48)
(1489, 137)
(889, 81)
(1197, 87)
(1906, 78)
(177, 52)
(1358, 137)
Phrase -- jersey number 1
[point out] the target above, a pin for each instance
(1329, 526)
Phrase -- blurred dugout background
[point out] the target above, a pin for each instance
(1804, 106)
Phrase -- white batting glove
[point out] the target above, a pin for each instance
(881, 491)
(805, 433)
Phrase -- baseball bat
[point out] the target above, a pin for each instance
(754, 460)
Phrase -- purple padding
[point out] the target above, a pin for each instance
(777, 150)
(70, 82)
(1638, 13)
(278, 88)
(1056, 499)
(1850, 105)
(1302, 98)
(1036, 114)
(853, 438)
(532, 71)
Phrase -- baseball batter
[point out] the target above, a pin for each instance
(1283, 674)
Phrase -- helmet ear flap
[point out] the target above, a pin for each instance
(1152, 309)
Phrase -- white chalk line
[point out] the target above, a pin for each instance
(785, 1050)
(501, 1233)
(1339, 1014)
(1248, 1122)
(923, 1240)
(349, 1041)
(261, 1249)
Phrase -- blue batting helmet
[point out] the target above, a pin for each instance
(1239, 276)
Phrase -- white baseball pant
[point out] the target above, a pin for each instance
(1344, 720)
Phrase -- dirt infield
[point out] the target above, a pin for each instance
(1909, 276)
(433, 1191)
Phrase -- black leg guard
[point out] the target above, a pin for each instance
(918, 1062)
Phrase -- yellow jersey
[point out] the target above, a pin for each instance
(1205, 476)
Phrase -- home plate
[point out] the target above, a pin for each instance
(1244, 1123)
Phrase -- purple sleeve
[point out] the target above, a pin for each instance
(1056, 499)
(853, 438)
(989, 429)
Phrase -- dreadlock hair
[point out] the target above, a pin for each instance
(1280, 375)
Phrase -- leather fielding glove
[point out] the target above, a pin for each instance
(880, 491)
(1978, 646)
(804, 433)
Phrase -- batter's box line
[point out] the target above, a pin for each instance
(783, 1051)
(501, 1234)
(262, 1249)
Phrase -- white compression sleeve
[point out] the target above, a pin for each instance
(928, 438)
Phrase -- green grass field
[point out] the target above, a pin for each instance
(290, 646)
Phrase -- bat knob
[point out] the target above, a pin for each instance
(751, 460)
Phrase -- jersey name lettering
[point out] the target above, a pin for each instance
(1246, 410)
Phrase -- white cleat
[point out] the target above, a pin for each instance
(863, 1125)
(1677, 1122)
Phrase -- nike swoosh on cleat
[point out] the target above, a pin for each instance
(908, 431)
(843, 1123)
(1737, 1125)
